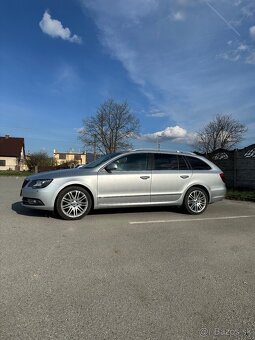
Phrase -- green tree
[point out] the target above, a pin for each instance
(111, 128)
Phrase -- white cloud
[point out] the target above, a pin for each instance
(240, 52)
(252, 32)
(248, 10)
(187, 2)
(157, 114)
(115, 19)
(238, 2)
(170, 63)
(179, 16)
(55, 29)
(243, 47)
(175, 134)
(230, 56)
(243, 53)
(251, 58)
(122, 9)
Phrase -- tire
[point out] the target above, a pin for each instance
(73, 203)
(195, 201)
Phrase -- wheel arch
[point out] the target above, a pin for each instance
(195, 204)
(201, 186)
(75, 185)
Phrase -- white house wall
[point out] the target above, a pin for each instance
(10, 163)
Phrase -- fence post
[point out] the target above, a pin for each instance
(235, 168)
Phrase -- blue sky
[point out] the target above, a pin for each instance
(177, 63)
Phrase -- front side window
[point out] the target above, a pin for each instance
(165, 162)
(133, 162)
(100, 160)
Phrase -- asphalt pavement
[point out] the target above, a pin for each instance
(126, 274)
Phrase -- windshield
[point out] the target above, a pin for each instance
(101, 160)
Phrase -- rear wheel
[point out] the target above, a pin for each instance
(73, 203)
(195, 201)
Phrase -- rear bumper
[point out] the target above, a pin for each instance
(218, 195)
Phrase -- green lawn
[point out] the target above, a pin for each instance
(242, 195)
(15, 173)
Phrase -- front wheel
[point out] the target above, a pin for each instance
(73, 203)
(195, 201)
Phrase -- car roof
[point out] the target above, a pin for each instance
(161, 151)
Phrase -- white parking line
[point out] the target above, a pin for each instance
(192, 219)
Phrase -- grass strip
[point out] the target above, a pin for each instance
(241, 195)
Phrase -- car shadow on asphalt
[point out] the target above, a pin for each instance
(132, 210)
(19, 209)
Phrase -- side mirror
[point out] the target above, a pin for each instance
(112, 166)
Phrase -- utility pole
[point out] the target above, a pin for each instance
(158, 144)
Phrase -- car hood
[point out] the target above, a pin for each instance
(60, 173)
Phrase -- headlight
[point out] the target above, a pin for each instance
(40, 183)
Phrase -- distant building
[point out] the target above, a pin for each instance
(74, 158)
(12, 153)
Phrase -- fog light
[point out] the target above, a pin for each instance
(32, 201)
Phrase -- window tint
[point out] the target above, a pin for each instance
(182, 163)
(165, 162)
(100, 160)
(134, 162)
(197, 164)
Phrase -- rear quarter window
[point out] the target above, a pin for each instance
(197, 164)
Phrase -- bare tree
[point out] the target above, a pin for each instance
(111, 127)
(224, 132)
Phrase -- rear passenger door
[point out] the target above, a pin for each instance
(170, 177)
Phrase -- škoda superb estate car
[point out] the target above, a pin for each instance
(127, 179)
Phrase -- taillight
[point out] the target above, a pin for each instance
(222, 176)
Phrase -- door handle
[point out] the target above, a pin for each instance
(144, 177)
(184, 176)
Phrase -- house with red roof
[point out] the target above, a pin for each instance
(12, 153)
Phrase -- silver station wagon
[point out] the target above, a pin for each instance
(127, 179)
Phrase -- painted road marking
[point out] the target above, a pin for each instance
(192, 219)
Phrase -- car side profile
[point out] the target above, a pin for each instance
(127, 179)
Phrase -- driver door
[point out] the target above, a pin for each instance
(126, 181)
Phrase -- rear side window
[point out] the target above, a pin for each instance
(165, 162)
(197, 164)
(183, 165)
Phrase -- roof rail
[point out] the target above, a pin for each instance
(188, 152)
(163, 150)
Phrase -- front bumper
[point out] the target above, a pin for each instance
(38, 198)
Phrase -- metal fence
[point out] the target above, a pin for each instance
(238, 166)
